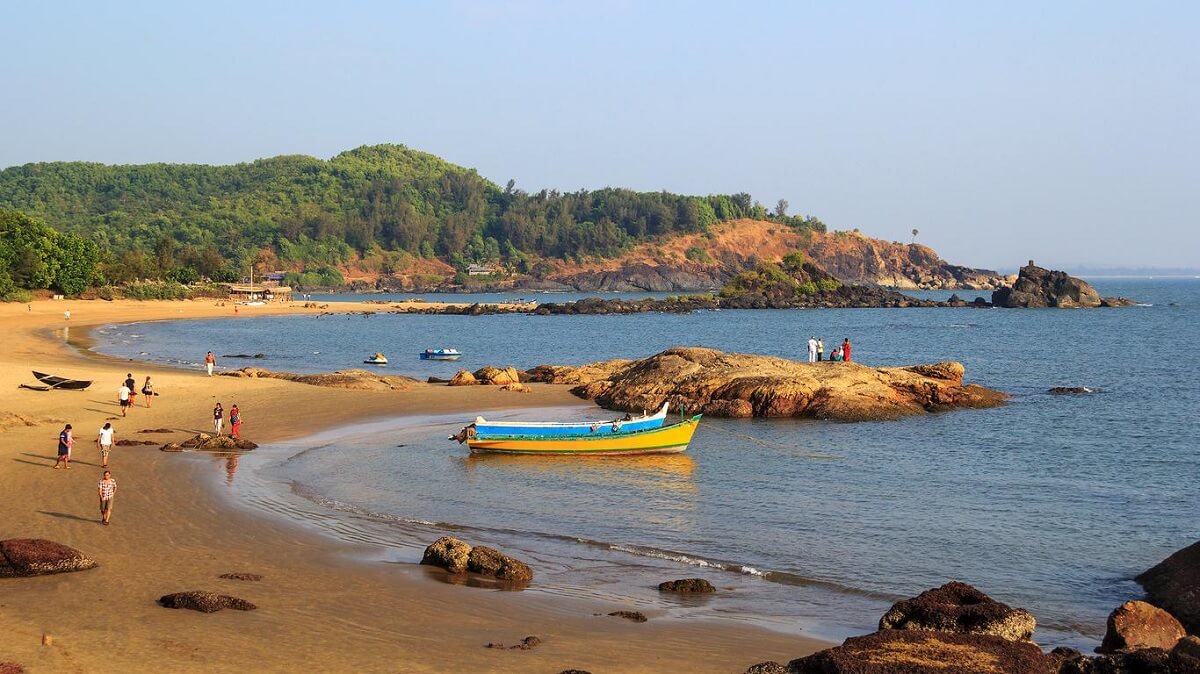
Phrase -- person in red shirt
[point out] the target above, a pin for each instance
(846, 349)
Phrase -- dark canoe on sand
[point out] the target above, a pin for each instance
(62, 382)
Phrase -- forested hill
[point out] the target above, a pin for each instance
(383, 208)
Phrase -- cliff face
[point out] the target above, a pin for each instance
(854, 257)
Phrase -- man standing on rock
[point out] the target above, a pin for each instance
(812, 349)
(107, 489)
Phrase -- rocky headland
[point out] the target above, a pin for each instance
(1039, 288)
(715, 383)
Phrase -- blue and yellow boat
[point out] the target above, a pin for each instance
(671, 439)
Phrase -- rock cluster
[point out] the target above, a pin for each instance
(206, 441)
(39, 557)
(347, 379)
(687, 586)
(961, 608)
(458, 556)
(697, 380)
(205, 602)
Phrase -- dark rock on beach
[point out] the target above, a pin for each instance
(134, 443)
(959, 608)
(490, 562)
(917, 652)
(527, 644)
(39, 557)
(768, 667)
(205, 602)
(1174, 584)
(633, 616)
(1136, 624)
(687, 585)
(241, 576)
(156, 430)
(11, 668)
(221, 442)
(1037, 287)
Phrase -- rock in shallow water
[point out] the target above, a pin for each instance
(633, 616)
(687, 586)
(39, 557)
(205, 602)
(491, 562)
(1136, 624)
(960, 608)
(913, 652)
(1174, 584)
(449, 553)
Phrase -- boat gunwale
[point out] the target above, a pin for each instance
(661, 413)
(609, 437)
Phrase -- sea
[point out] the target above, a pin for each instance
(1052, 503)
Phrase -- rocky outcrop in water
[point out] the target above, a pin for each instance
(740, 385)
(211, 442)
(960, 608)
(632, 616)
(458, 556)
(913, 652)
(687, 586)
(1136, 624)
(1037, 287)
(39, 557)
(1174, 584)
(347, 379)
(204, 602)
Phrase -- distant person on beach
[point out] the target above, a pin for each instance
(123, 398)
(235, 422)
(148, 390)
(104, 440)
(131, 384)
(209, 361)
(218, 418)
(846, 349)
(67, 315)
(812, 349)
(107, 489)
(65, 442)
(820, 349)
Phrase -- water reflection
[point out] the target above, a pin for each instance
(652, 473)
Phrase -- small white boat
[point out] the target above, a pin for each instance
(377, 359)
(441, 354)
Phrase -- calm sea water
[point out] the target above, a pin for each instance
(1051, 503)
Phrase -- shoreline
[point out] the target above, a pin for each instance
(319, 604)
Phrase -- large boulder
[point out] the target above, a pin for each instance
(960, 608)
(1174, 584)
(742, 385)
(497, 376)
(491, 562)
(1136, 624)
(205, 602)
(910, 652)
(39, 557)
(1036, 287)
(449, 553)
(462, 378)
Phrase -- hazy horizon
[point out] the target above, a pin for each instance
(1001, 131)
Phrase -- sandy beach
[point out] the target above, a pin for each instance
(319, 605)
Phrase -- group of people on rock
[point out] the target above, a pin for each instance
(816, 350)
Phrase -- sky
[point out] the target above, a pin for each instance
(1066, 132)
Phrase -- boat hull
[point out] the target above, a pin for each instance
(665, 440)
(485, 428)
(61, 382)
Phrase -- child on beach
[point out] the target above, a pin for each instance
(235, 422)
(209, 361)
(107, 489)
(65, 442)
(104, 440)
(218, 418)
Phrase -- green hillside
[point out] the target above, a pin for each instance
(380, 204)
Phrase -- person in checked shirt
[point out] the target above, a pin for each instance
(107, 490)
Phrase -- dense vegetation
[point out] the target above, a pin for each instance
(34, 256)
(379, 207)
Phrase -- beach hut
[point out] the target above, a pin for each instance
(245, 292)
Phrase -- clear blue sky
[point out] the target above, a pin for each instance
(1064, 131)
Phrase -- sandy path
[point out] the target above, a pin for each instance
(319, 606)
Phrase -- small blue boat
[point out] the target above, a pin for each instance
(485, 428)
(441, 354)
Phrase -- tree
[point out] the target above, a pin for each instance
(915, 232)
(781, 208)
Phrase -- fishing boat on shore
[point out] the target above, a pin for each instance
(441, 354)
(485, 428)
(54, 382)
(671, 439)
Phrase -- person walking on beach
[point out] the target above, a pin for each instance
(846, 349)
(131, 384)
(218, 418)
(65, 442)
(123, 398)
(209, 361)
(820, 349)
(148, 390)
(235, 422)
(104, 440)
(107, 489)
(812, 349)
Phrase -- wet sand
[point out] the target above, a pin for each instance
(320, 605)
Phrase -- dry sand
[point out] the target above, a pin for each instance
(319, 606)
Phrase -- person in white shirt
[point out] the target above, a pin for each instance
(104, 440)
(123, 398)
(812, 349)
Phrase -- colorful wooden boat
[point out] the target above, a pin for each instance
(663, 440)
(485, 428)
